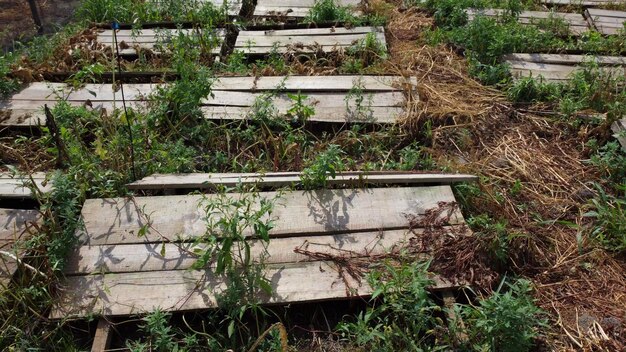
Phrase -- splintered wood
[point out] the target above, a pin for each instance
(560, 67)
(294, 8)
(339, 99)
(316, 235)
(309, 40)
(576, 23)
(131, 42)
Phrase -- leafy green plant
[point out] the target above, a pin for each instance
(299, 110)
(325, 165)
(329, 11)
(403, 316)
(609, 213)
(508, 320)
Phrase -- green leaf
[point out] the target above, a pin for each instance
(231, 328)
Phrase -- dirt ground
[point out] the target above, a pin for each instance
(16, 22)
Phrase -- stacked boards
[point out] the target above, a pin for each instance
(375, 99)
(120, 269)
(607, 22)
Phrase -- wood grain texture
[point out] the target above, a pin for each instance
(233, 7)
(297, 213)
(281, 179)
(554, 72)
(180, 290)
(119, 258)
(567, 59)
(579, 2)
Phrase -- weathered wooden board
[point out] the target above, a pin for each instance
(179, 290)
(326, 39)
(120, 258)
(159, 40)
(576, 22)
(297, 213)
(232, 7)
(15, 225)
(619, 128)
(383, 97)
(314, 83)
(12, 187)
(559, 68)
(607, 22)
(281, 179)
(295, 8)
(581, 2)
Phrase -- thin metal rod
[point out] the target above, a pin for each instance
(130, 129)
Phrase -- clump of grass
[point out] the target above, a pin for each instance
(329, 11)
(325, 165)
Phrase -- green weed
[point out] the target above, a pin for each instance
(508, 320)
(329, 11)
(325, 165)
(609, 213)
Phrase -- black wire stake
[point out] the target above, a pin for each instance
(115, 26)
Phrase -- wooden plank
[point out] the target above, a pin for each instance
(102, 339)
(566, 59)
(312, 83)
(580, 2)
(258, 42)
(607, 22)
(307, 31)
(619, 128)
(576, 22)
(203, 181)
(117, 258)
(315, 100)
(15, 225)
(554, 72)
(155, 40)
(14, 187)
(382, 115)
(294, 8)
(297, 213)
(233, 7)
(180, 290)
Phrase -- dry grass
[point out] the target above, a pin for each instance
(478, 131)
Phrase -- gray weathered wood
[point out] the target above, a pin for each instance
(576, 22)
(12, 187)
(554, 72)
(270, 179)
(607, 22)
(119, 258)
(180, 290)
(157, 40)
(329, 39)
(293, 8)
(567, 59)
(15, 226)
(119, 220)
(581, 2)
(328, 94)
(232, 7)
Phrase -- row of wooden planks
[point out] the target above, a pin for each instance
(253, 42)
(272, 8)
(378, 99)
(608, 22)
(115, 271)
